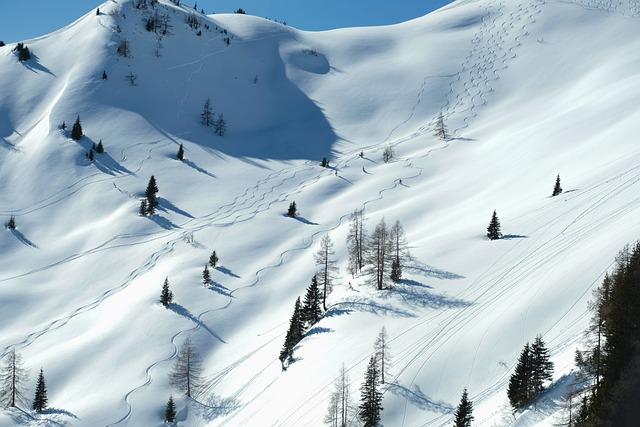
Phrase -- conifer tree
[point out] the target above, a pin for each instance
(399, 251)
(207, 114)
(143, 207)
(104, 74)
(187, 369)
(180, 154)
(383, 357)
(464, 413)
(100, 147)
(63, 126)
(324, 163)
(166, 296)
(151, 195)
(40, 400)
(220, 126)
(387, 154)
(541, 366)
(90, 155)
(493, 230)
(13, 376)
(326, 267)
(170, 411)
(206, 276)
(213, 259)
(441, 128)
(293, 337)
(311, 310)
(370, 397)
(76, 130)
(11, 224)
(293, 210)
(519, 390)
(557, 189)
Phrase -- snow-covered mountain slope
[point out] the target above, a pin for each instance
(528, 88)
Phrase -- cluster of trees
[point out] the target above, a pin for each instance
(533, 369)
(380, 255)
(149, 204)
(13, 379)
(22, 51)
(292, 211)
(613, 361)
(158, 23)
(166, 296)
(123, 48)
(387, 154)
(208, 119)
(304, 316)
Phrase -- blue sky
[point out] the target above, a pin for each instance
(23, 19)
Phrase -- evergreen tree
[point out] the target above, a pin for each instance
(23, 52)
(293, 337)
(464, 413)
(311, 310)
(541, 366)
(151, 195)
(324, 163)
(63, 126)
(387, 154)
(213, 259)
(206, 276)
(370, 397)
(90, 155)
(519, 390)
(76, 130)
(143, 208)
(180, 154)
(326, 267)
(220, 126)
(557, 189)
(11, 224)
(207, 114)
(399, 251)
(166, 296)
(187, 369)
(293, 210)
(13, 376)
(170, 411)
(104, 74)
(98, 11)
(493, 230)
(100, 147)
(441, 128)
(40, 400)
(383, 357)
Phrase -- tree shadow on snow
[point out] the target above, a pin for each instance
(317, 330)
(301, 219)
(213, 407)
(425, 270)
(513, 236)
(23, 239)
(366, 305)
(58, 411)
(219, 288)
(419, 399)
(198, 168)
(103, 162)
(163, 222)
(413, 293)
(225, 270)
(182, 311)
(165, 205)
(34, 65)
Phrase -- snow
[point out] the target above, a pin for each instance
(529, 88)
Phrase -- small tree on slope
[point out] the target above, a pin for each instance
(180, 154)
(76, 130)
(206, 276)
(40, 400)
(151, 195)
(557, 189)
(166, 296)
(13, 376)
(520, 382)
(370, 397)
(312, 310)
(326, 267)
(293, 337)
(383, 357)
(207, 114)
(187, 369)
(464, 413)
(441, 128)
(170, 411)
(493, 230)
(213, 259)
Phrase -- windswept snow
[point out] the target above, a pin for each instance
(529, 89)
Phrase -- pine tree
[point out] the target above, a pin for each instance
(557, 189)
(23, 52)
(441, 128)
(180, 154)
(381, 351)
(220, 126)
(206, 276)
(493, 230)
(98, 11)
(90, 155)
(170, 411)
(40, 400)
(399, 251)
(13, 376)
(326, 267)
(151, 195)
(166, 296)
(293, 210)
(144, 210)
(311, 310)
(187, 369)
(100, 147)
(293, 337)
(324, 163)
(76, 130)
(63, 126)
(207, 114)
(370, 397)
(213, 259)
(387, 154)
(541, 366)
(464, 413)
(104, 75)
(11, 224)
(519, 390)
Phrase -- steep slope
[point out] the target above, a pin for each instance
(528, 89)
